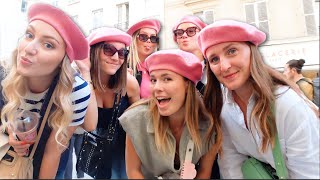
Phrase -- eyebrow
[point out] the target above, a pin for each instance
(45, 36)
(224, 48)
(162, 75)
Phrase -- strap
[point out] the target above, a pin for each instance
(44, 120)
(279, 162)
(189, 151)
(46, 106)
(112, 127)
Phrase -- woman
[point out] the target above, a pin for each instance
(44, 55)
(256, 103)
(159, 128)
(292, 70)
(145, 41)
(108, 70)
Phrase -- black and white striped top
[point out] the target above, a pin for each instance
(80, 99)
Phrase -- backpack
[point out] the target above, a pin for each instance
(316, 90)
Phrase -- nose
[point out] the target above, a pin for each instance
(224, 64)
(157, 86)
(31, 47)
(115, 56)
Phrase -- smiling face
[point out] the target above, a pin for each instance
(185, 42)
(40, 51)
(110, 64)
(169, 90)
(230, 62)
(146, 48)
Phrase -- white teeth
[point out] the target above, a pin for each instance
(161, 98)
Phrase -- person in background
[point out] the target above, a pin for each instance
(292, 70)
(107, 71)
(43, 56)
(185, 34)
(316, 90)
(256, 104)
(159, 128)
(145, 41)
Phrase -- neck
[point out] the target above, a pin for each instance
(39, 84)
(297, 77)
(105, 79)
(177, 120)
(142, 57)
(198, 53)
(243, 94)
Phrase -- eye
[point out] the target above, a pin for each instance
(214, 60)
(167, 79)
(153, 81)
(231, 51)
(48, 45)
(28, 35)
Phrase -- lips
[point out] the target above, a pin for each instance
(162, 101)
(229, 76)
(25, 60)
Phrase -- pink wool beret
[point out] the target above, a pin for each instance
(76, 44)
(181, 62)
(229, 31)
(189, 19)
(106, 34)
(147, 23)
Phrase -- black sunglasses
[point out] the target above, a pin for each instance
(191, 31)
(144, 38)
(110, 50)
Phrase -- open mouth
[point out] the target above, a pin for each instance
(163, 101)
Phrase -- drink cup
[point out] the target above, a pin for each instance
(25, 126)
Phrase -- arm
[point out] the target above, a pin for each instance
(133, 163)
(301, 134)
(91, 118)
(206, 163)
(52, 154)
(133, 89)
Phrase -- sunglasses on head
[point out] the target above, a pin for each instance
(191, 31)
(144, 38)
(110, 50)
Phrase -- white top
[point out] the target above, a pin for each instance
(298, 131)
(80, 97)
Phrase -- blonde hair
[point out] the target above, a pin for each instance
(194, 112)
(133, 57)
(15, 88)
(264, 80)
(117, 82)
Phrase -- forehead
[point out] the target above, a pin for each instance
(148, 31)
(186, 25)
(116, 44)
(163, 72)
(45, 29)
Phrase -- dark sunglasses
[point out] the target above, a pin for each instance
(110, 50)
(191, 31)
(144, 38)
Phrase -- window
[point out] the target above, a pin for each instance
(206, 16)
(97, 18)
(23, 6)
(123, 16)
(257, 15)
(309, 17)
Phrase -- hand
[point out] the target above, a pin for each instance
(84, 65)
(129, 70)
(20, 147)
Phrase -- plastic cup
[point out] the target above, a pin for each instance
(25, 126)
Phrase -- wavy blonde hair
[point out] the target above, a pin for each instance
(15, 88)
(194, 112)
(133, 57)
(264, 80)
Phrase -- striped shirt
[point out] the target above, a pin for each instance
(80, 97)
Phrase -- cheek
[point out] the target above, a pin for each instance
(214, 69)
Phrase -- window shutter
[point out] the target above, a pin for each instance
(311, 26)
(208, 17)
(307, 7)
(262, 11)
(250, 14)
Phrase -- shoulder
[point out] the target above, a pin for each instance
(81, 91)
(135, 118)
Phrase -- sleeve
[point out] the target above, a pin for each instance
(302, 142)
(80, 99)
(231, 160)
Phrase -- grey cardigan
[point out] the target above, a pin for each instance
(139, 127)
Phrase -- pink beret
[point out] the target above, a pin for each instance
(181, 62)
(229, 31)
(106, 34)
(76, 44)
(189, 19)
(147, 23)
